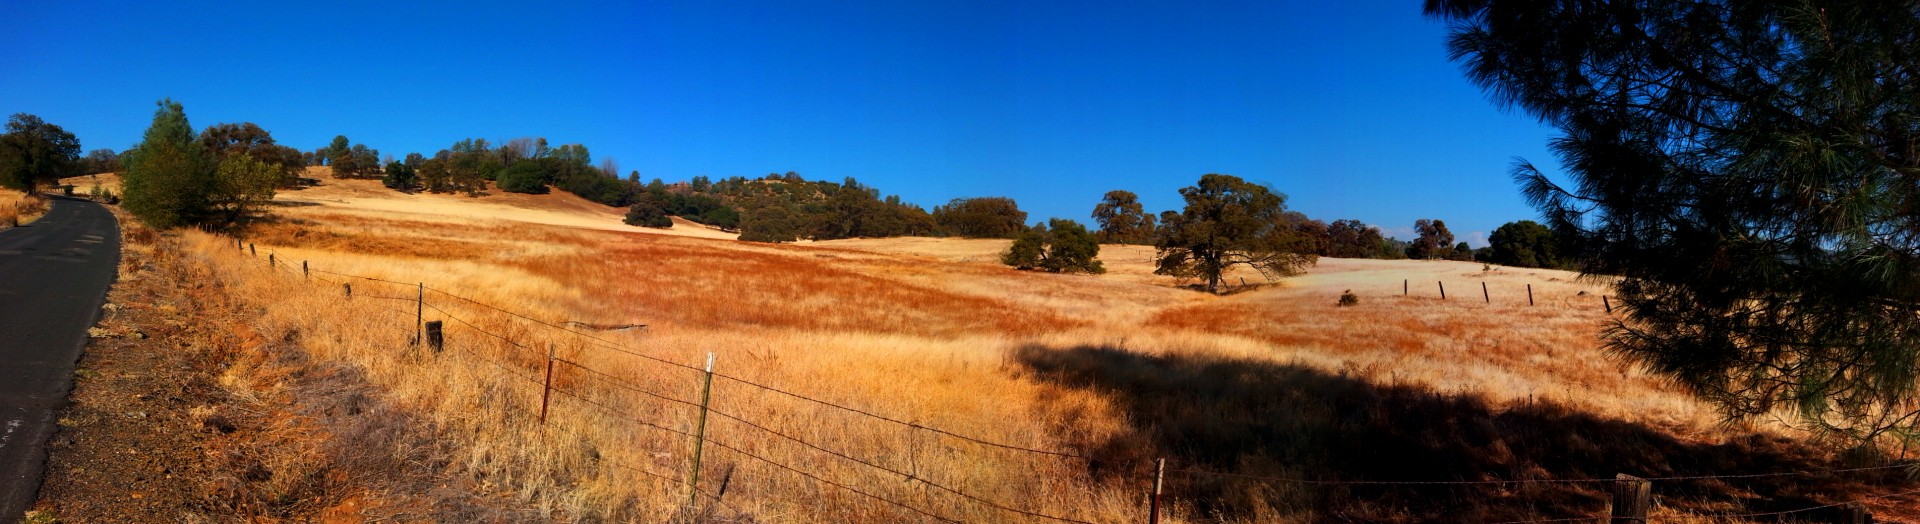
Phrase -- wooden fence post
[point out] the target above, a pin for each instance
(700, 433)
(434, 339)
(270, 262)
(303, 270)
(1483, 292)
(251, 250)
(349, 288)
(1153, 503)
(546, 391)
(1853, 513)
(1608, 303)
(1529, 294)
(1443, 290)
(1632, 499)
(1403, 287)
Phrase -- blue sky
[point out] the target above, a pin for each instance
(1350, 108)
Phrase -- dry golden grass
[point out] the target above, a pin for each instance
(1125, 367)
(20, 208)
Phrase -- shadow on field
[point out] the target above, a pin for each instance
(1269, 419)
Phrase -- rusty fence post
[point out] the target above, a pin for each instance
(303, 270)
(270, 262)
(251, 250)
(1403, 287)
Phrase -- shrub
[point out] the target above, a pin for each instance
(1347, 298)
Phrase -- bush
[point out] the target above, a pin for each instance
(1347, 298)
(648, 213)
(523, 177)
(1066, 247)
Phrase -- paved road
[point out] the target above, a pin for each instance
(54, 274)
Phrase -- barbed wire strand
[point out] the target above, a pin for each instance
(631, 418)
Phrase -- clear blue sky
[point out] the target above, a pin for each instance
(1350, 108)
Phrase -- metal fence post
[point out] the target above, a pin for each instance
(1529, 294)
(1443, 290)
(546, 391)
(700, 433)
(419, 312)
(1483, 292)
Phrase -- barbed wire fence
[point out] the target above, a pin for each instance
(520, 359)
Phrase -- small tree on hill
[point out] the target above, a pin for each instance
(1230, 222)
(1060, 246)
(400, 175)
(1525, 244)
(168, 178)
(648, 211)
(1433, 240)
(242, 184)
(1122, 220)
(33, 152)
(985, 217)
(771, 223)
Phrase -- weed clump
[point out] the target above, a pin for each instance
(1347, 298)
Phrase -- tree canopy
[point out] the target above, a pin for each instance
(1060, 246)
(1122, 220)
(168, 179)
(33, 152)
(1433, 240)
(1229, 222)
(1748, 171)
(984, 217)
(1524, 244)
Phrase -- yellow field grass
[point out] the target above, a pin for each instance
(1274, 380)
(17, 207)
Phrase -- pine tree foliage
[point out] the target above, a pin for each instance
(169, 180)
(1750, 171)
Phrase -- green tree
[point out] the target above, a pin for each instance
(1432, 241)
(401, 175)
(1524, 244)
(525, 176)
(168, 180)
(771, 222)
(1351, 239)
(1746, 170)
(247, 138)
(1060, 246)
(33, 152)
(648, 211)
(101, 161)
(242, 184)
(985, 217)
(1122, 220)
(1229, 222)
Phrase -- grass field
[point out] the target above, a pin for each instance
(1271, 380)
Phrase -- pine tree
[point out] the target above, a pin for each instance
(168, 178)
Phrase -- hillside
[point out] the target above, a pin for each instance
(817, 341)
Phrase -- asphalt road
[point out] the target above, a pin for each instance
(54, 274)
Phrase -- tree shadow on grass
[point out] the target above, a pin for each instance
(1211, 416)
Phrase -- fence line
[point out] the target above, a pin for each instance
(600, 376)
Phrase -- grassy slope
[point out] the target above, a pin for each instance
(1273, 381)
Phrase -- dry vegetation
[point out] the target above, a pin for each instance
(1275, 380)
(20, 208)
